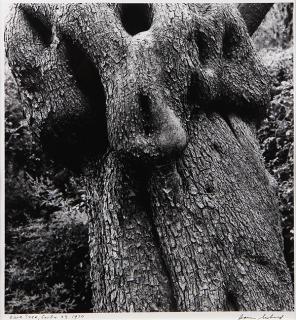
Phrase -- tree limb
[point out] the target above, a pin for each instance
(253, 14)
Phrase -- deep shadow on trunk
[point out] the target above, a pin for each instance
(182, 213)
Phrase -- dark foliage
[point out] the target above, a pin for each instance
(47, 258)
(276, 138)
(275, 39)
(48, 267)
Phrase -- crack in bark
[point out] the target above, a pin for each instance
(146, 199)
(158, 245)
(225, 117)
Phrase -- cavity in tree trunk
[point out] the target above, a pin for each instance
(154, 108)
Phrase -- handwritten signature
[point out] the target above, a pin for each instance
(265, 316)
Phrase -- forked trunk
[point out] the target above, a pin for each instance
(159, 118)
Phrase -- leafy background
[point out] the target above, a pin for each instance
(47, 259)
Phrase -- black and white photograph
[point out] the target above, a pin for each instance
(148, 158)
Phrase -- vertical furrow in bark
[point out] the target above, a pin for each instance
(127, 270)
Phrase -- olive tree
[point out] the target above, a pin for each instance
(154, 108)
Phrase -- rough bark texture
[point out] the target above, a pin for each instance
(159, 126)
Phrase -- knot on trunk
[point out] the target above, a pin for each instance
(148, 130)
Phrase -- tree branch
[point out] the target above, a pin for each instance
(253, 14)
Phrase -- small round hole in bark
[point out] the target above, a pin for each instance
(209, 188)
(135, 17)
(217, 147)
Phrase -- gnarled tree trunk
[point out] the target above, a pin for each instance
(154, 108)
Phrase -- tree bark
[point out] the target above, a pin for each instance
(159, 127)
